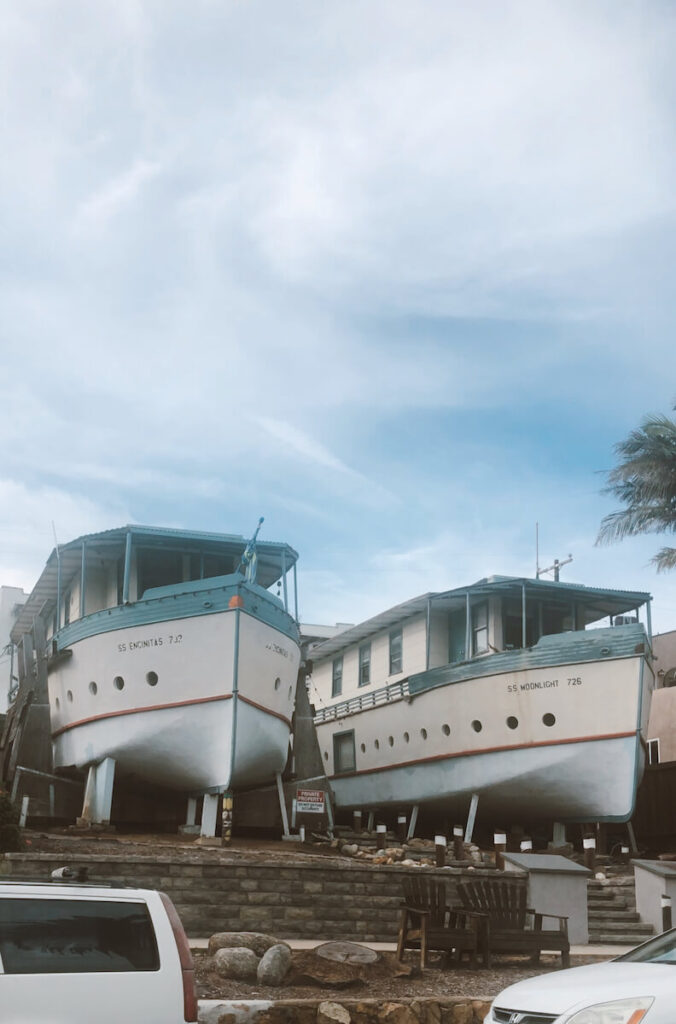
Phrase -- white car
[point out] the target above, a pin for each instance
(73, 954)
(636, 988)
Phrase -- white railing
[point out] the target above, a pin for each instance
(363, 701)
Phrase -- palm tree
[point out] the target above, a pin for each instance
(645, 483)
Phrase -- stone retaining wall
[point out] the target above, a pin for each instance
(340, 1011)
(301, 899)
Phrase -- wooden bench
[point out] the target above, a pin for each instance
(427, 923)
(509, 926)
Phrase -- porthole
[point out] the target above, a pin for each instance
(69, 696)
(446, 729)
(512, 722)
(423, 733)
(390, 740)
(363, 748)
(93, 689)
(278, 683)
(376, 744)
(548, 719)
(118, 683)
(58, 703)
(151, 678)
(476, 725)
(406, 737)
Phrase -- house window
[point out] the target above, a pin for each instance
(337, 678)
(395, 652)
(365, 664)
(344, 759)
(480, 628)
(653, 751)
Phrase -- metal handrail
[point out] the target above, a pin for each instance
(362, 701)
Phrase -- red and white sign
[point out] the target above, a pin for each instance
(310, 801)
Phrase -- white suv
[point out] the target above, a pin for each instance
(71, 954)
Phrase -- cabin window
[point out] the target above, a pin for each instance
(337, 677)
(365, 664)
(66, 607)
(653, 751)
(344, 759)
(395, 651)
(480, 628)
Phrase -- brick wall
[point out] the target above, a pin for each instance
(301, 899)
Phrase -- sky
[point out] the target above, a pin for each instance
(396, 276)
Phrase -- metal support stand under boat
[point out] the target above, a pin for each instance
(471, 817)
(98, 795)
(632, 837)
(558, 834)
(209, 815)
(190, 827)
(413, 822)
(282, 804)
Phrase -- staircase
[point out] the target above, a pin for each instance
(612, 912)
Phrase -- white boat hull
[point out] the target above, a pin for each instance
(205, 702)
(560, 743)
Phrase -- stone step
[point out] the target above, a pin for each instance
(616, 939)
(612, 927)
(612, 915)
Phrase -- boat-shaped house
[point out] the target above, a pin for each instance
(168, 657)
(500, 692)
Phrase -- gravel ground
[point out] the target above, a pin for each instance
(380, 980)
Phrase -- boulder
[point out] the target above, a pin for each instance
(274, 965)
(332, 1013)
(238, 963)
(350, 850)
(255, 941)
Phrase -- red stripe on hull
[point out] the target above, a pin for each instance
(484, 750)
(163, 707)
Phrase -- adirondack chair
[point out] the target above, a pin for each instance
(509, 926)
(426, 923)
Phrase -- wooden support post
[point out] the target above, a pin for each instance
(526, 845)
(226, 817)
(191, 811)
(370, 822)
(401, 827)
(356, 822)
(413, 822)
(440, 851)
(500, 843)
(471, 817)
(632, 838)
(458, 846)
(589, 847)
(665, 904)
(381, 836)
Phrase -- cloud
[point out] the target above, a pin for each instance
(106, 203)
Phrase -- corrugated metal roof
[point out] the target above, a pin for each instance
(550, 651)
(70, 554)
(599, 601)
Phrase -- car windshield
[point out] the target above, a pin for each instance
(660, 950)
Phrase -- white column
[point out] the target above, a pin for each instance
(209, 814)
(103, 791)
(191, 811)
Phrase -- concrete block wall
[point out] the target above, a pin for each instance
(293, 899)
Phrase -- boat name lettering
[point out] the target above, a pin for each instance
(542, 684)
(151, 641)
(277, 649)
